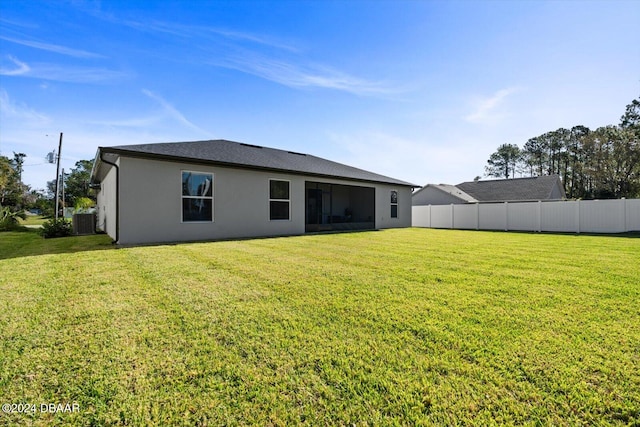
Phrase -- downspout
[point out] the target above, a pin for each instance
(117, 239)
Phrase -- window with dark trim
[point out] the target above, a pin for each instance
(394, 204)
(279, 200)
(197, 197)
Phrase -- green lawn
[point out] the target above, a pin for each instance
(33, 220)
(396, 327)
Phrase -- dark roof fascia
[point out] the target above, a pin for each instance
(178, 159)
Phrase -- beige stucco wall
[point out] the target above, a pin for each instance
(383, 207)
(151, 204)
(106, 203)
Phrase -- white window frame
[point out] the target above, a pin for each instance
(393, 204)
(212, 198)
(279, 200)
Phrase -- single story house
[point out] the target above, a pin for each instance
(537, 188)
(208, 190)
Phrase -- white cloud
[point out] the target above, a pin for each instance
(22, 68)
(54, 72)
(289, 74)
(14, 111)
(63, 50)
(173, 113)
(76, 74)
(207, 33)
(237, 50)
(160, 120)
(255, 38)
(487, 110)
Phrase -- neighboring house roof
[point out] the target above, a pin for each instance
(516, 189)
(497, 190)
(451, 190)
(236, 154)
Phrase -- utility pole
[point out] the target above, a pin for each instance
(58, 172)
(64, 204)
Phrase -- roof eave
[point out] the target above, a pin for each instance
(195, 160)
(98, 164)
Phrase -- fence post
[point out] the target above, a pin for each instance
(580, 208)
(477, 216)
(506, 216)
(624, 209)
(539, 216)
(452, 217)
(578, 218)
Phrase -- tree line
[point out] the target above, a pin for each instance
(600, 163)
(16, 196)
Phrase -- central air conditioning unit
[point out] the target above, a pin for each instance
(84, 223)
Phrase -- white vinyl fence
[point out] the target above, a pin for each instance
(581, 216)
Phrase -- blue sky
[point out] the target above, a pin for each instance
(422, 91)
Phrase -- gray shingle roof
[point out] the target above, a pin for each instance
(454, 191)
(238, 154)
(530, 189)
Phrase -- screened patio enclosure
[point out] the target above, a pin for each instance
(339, 207)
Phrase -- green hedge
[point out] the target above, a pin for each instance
(56, 228)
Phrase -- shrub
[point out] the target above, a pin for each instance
(83, 204)
(56, 228)
(9, 219)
